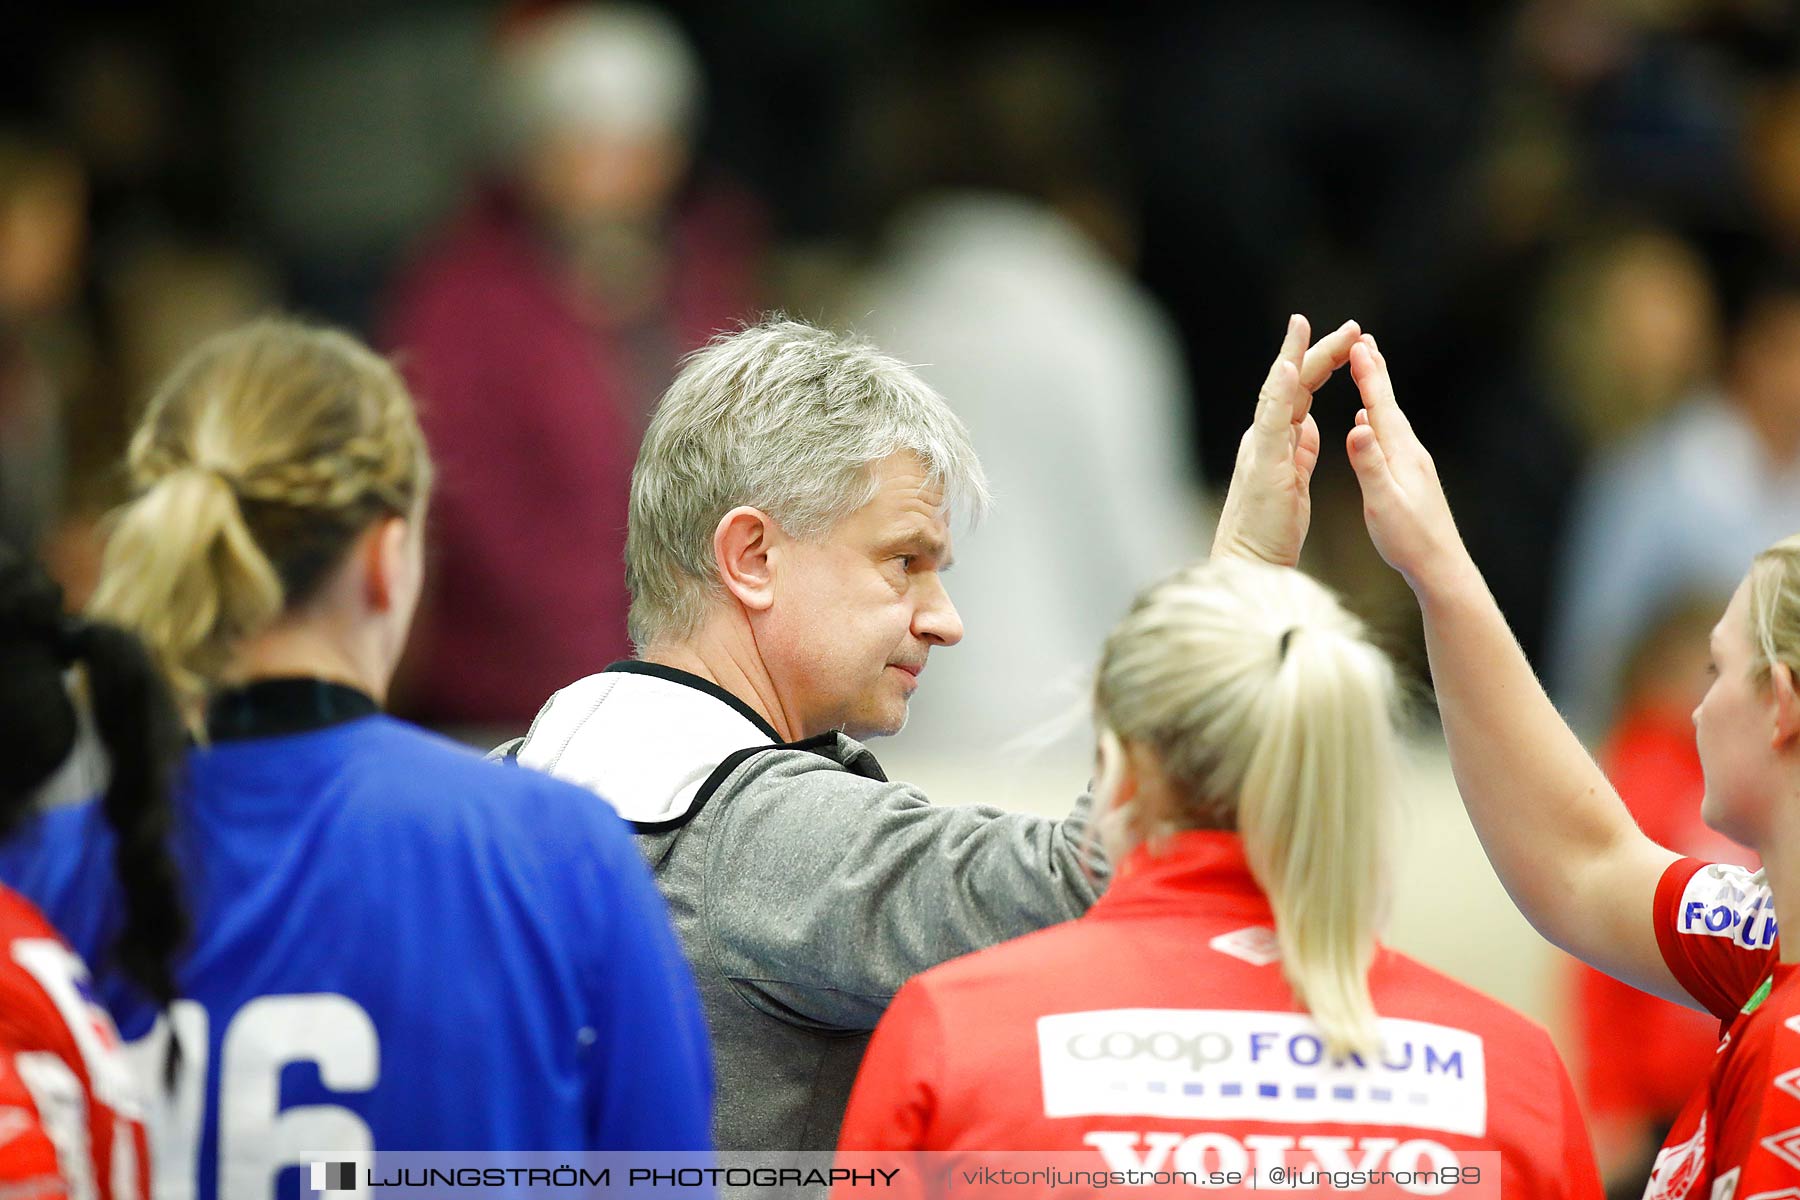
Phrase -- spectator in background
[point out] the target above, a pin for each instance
(538, 329)
(45, 354)
(1633, 1098)
(1628, 327)
(161, 265)
(1006, 276)
(1773, 153)
(1677, 509)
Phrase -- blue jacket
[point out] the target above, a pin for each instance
(396, 946)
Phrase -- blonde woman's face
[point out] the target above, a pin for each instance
(1734, 728)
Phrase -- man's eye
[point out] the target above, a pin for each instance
(905, 560)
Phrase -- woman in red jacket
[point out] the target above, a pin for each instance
(1226, 1008)
(1581, 871)
(69, 1110)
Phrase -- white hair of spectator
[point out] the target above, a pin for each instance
(787, 418)
(617, 70)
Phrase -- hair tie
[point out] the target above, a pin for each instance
(221, 474)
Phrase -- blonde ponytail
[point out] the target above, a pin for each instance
(1315, 813)
(1271, 713)
(257, 464)
(183, 571)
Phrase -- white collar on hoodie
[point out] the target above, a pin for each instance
(642, 736)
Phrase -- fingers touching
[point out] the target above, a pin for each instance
(1327, 355)
(1284, 425)
(1286, 399)
(1268, 507)
(1282, 401)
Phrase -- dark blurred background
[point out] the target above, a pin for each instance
(1574, 225)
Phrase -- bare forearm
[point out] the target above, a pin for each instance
(1557, 834)
(1544, 811)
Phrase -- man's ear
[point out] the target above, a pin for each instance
(1787, 705)
(383, 551)
(742, 545)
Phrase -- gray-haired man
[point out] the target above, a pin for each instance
(789, 530)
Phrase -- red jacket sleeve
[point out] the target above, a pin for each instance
(1715, 925)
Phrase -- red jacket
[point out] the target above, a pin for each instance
(68, 1111)
(1160, 1026)
(1740, 1134)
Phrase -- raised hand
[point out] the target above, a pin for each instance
(1403, 501)
(1269, 505)
(1561, 841)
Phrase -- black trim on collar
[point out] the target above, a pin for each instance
(273, 707)
(633, 666)
(862, 763)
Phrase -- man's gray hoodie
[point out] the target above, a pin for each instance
(805, 887)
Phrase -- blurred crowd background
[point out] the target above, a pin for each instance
(1573, 224)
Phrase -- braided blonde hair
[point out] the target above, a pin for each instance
(1271, 713)
(258, 462)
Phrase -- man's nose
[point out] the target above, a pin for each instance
(936, 620)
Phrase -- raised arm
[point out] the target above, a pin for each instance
(1268, 506)
(1560, 839)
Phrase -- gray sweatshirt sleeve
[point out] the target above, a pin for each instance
(827, 890)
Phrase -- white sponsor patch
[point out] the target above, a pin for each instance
(1232, 1065)
(1728, 902)
(1254, 944)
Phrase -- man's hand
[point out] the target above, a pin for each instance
(1268, 507)
(1403, 502)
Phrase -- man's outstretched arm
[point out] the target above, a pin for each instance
(828, 891)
